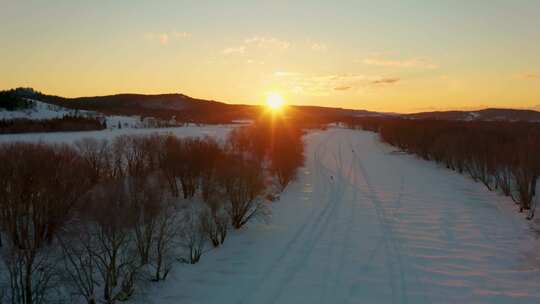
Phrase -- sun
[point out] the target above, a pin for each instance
(274, 101)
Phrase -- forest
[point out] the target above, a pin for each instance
(96, 220)
(502, 155)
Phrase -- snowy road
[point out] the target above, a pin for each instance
(364, 224)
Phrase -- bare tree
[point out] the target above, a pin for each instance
(165, 240)
(214, 224)
(109, 224)
(96, 154)
(40, 185)
(80, 264)
(243, 182)
(192, 237)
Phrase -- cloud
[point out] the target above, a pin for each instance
(318, 47)
(273, 44)
(163, 38)
(267, 43)
(253, 61)
(166, 37)
(409, 63)
(324, 85)
(529, 76)
(385, 80)
(234, 50)
(282, 74)
(257, 42)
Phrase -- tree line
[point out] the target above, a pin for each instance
(96, 220)
(67, 123)
(502, 155)
(11, 100)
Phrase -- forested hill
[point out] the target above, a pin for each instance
(186, 108)
(189, 109)
(165, 106)
(491, 114)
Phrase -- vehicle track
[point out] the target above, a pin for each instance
(305, 237)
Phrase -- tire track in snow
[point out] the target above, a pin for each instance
(338, 244)
(312, 222)
(392, 251)
(333, 203)
(352, 218)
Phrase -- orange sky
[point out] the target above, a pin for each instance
(385, 56)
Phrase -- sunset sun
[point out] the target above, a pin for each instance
(274, 101)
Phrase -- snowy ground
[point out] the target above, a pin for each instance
(217, 131)
(366, 225)
(42, 110)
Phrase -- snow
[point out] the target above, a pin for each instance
(125, 121)
(219, 132)
(365, 225)
(472, 116)
(42, 110)
(128, 125)
(362, 224)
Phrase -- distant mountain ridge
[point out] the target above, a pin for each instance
(187, 108)
(490, 114)
(180, 106)
(160, 101)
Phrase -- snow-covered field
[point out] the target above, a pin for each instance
(116, 126)
(217, 131)
(42, 110)
(363, 224)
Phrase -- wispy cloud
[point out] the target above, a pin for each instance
(254, 61)
(267, 42)
(529, 76)
(257, 42)
(323, 85)
(165, 37)
(319, 47)
(408, 63)
(234, 50)
(385, 80)
(286, 74)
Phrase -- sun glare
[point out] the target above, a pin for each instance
(274, 101)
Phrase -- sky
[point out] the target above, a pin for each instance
(394, 56)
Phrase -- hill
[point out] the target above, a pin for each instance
(491, 114)
(165, 106)
(189, 109)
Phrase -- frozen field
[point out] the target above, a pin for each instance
(216, 131)
(363, 224)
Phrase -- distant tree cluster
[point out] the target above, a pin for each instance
(64, 124)
(100, 217)
(504, 156)
(14, 100)
(275, 144)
